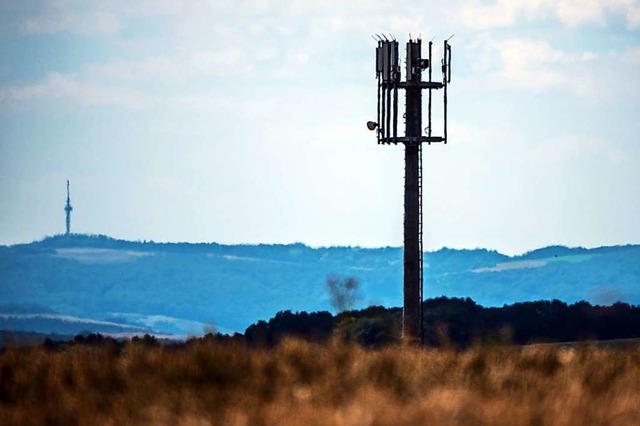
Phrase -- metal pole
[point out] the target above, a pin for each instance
(411, 326)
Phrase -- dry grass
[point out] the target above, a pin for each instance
(298, 383)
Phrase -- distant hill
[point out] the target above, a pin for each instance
(183, 288)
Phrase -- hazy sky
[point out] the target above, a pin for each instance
(243, 121)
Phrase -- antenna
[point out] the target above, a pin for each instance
(68, 209)
(389, 81)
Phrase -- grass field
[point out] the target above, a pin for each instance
(297, 383)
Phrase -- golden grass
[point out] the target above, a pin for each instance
(298, 383)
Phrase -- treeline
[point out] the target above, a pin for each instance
(452, 322)
(458, 322)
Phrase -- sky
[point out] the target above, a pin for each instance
(244, 121)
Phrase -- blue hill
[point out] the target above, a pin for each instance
(187, 288)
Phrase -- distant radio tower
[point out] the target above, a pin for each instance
(68, 210)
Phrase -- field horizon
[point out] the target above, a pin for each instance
(211, 382)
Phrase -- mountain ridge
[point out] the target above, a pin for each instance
(62, 240)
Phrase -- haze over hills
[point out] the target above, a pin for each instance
(67, 284)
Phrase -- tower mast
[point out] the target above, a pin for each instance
(388, 73)
(68, 210)
(412, 255)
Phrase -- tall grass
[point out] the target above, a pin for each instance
(298, 383)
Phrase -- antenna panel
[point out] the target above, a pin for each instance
(379, 60)
(386, 61)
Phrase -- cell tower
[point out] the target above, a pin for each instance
(68, 209)
(389, 81)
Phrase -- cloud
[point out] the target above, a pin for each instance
(569, 149)
(531, 62)
(478, 16)
(63, 87)
(535, 65)
(538, 65)
(92, 23)
(79, 17)
(570, 13)
(35, 17)
(577, 12)
(631, 56)
(177, 65)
